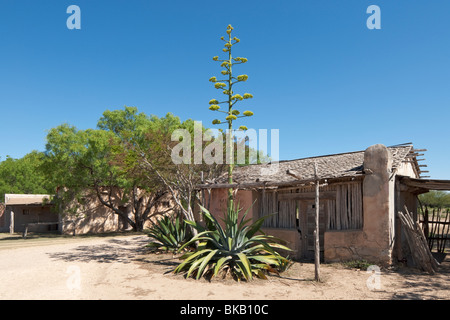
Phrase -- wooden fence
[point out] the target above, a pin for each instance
(436, 227)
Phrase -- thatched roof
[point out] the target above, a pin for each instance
(350, 164)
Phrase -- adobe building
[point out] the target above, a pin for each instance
(36, 213)
(360, 194)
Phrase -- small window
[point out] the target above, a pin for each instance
(26, 212)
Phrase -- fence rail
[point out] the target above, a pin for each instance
(436, 227)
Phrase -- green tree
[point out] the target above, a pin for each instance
(227, 86)
(153, 155)
(435, 199)
(24, 175)
(96, 162)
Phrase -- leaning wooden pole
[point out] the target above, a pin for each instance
(417, 242)
(316, 230)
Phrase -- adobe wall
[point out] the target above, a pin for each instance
(28, 214)
(374, 242)
(3, 226)
(245, 199)
(98, 220)
(291, 240)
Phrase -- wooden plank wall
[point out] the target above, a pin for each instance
(348, 208)
(343, 210)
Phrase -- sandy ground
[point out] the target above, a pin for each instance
(120, 268)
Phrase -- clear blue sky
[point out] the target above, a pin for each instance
(317, 73)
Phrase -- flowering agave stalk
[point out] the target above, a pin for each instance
(226, 85)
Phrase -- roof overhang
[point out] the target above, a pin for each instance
(37, 200)
(424, 185)
(276, 184)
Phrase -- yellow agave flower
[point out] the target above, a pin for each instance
(219, 85)
(242, 77)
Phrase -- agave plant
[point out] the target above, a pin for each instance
(170, 234)
(236, 249)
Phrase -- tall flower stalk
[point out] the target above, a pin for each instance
(232, 113)
(236, 248)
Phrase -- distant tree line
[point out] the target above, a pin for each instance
(24, 175)
(125, 160)
(435, 199)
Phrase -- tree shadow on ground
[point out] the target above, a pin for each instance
(419, 285)
(113, 251)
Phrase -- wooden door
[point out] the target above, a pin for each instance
(306, 223)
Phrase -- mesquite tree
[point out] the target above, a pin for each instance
(227, 86)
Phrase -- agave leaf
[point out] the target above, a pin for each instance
(230, 243)
(218, 228)
(241, 270)
(266, 259)
(220, 263)
(279, 246)
(271, 269)
(194, 266)
(205, 262)
(260, 274)
(246, 264)
(196, 225)
(243, 221)
(256, 226)
(191, 257)
(199, 236)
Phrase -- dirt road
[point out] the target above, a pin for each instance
(118, 268)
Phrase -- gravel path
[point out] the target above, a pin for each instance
(117, 268)
(72, 269)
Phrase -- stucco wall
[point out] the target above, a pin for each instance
(98, 219)
(291, 240)
(375, 242)
(33, 214)
(244, 198)
(3, 226)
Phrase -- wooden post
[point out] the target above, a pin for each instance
(11, 222)
(316, 231)
(203, 198)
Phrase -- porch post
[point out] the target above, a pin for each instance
(11, 222)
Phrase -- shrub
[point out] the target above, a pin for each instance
(236, 249)
(170, 234)
(357, 264)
